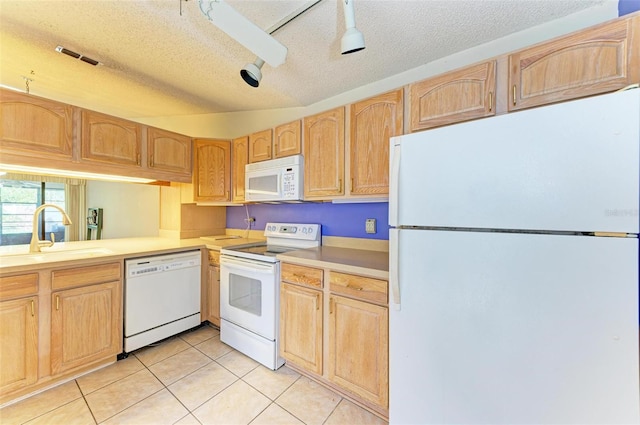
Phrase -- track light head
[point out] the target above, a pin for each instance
(352, 41)
(251, 73)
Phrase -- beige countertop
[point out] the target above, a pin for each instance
(17, 258)
(358, 261)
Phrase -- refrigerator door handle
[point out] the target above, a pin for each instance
(394, 277)
(394, 180)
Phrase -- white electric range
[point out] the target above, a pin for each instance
(249, 290)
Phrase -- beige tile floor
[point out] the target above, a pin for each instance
(192, 378)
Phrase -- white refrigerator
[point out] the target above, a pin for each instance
(514, 268)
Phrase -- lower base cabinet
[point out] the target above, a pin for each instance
(359, 348)
(211, 306)
(301, 326)
(343, 343)
(84, 325)
(19, 343)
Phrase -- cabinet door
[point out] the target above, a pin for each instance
(213, 295)
(456, 96)
(286, 139)
(212, 171)
(240, 159)
(373, 122)
(110, 139)
(301, 327)
(359, 348)
(34, 126)
(86, 325)
(324, 154)
(19, 347)
(168, 151)
(596, 60)
(260, 146)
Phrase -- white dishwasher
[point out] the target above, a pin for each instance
(161, 297)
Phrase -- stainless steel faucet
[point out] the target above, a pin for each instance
(36, 243)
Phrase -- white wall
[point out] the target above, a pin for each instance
(236, 124)
(130, 210)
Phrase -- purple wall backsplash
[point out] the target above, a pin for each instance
(347, 220)
(627, 6)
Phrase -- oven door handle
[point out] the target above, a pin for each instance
(250, 266)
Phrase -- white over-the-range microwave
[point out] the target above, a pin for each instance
(275, 180)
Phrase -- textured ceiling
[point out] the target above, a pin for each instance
(164, 58)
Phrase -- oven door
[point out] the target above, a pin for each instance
(248, 291)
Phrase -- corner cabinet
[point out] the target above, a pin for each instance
(110, 140)
(240, 154)
(597, 60)
(287, 139)
(33, 126)
(18, 332)
(212, 170)
(373, 122)
(169, 152)
(457, 96)
(86, 315)
(324, 155)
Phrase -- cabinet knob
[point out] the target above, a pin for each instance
(490, 101)
(57, 302)
(514, 95)
(33, 308)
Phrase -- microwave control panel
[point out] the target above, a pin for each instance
(290, 189)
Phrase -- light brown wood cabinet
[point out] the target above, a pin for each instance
(240, 147)
(168, 152)
(33, 126)
(287, 139)
(344, 342)
(301, 326)
(456, 96)
(212, 293)
(301, 316)
(324, 154)
(596, 60)
(260, 146)
(86, 316)
(359, 336)
(373, 122)
(110, 140)
(212, 171)
(19, 347)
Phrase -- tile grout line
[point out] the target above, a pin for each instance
(85, 400)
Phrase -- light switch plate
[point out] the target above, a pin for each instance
(370, 225)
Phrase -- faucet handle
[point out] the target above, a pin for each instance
(53, 238)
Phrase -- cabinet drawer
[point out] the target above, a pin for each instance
(214, 258)
(302, 275)
(365, 288)
(88, 275)
(17, 286)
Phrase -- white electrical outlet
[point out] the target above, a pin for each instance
(370, 225)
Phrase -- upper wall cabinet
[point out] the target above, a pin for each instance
(324, 154)
(287, 139)
(212, 170)
(30, 125)
(260, 146)
(596, 60)
(456, 96)
(240, 155)
(168, 152)
(373, 122)
(110, 139)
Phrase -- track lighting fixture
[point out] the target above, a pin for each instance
(352, 40)
(251, 73)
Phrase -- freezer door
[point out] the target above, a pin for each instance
(566, 167)
(503, 328)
